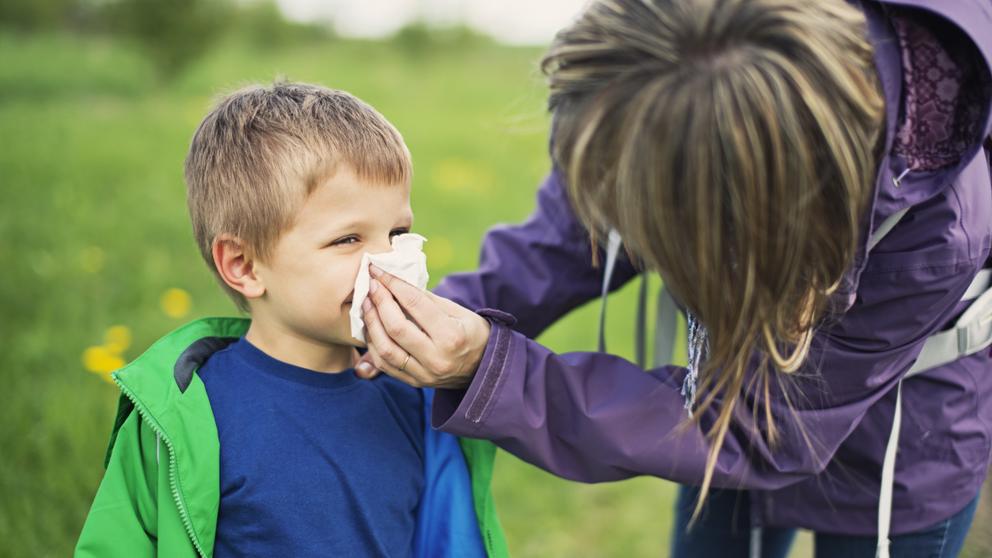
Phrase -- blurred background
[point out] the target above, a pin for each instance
(98, 102)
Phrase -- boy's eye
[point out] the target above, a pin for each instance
(351, 239)
(345, 240)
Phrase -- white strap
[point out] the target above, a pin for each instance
(612, 250)
(980, 284)
(970, 334)
(755, 548)
(888, 480)
(887, 225)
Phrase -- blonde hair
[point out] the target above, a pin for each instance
(733, 144)
(262, 150)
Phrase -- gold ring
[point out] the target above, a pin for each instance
(405, 362)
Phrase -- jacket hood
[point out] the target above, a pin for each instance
(891, 196)
(973, 18)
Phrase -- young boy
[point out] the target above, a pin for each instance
(256, 438)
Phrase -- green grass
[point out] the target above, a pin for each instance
(94, 230)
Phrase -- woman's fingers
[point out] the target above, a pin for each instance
(395, 323)
(365, 368)
(444, 350)
(415, 302)
(387, 355)
(383, 366)
(449, 306)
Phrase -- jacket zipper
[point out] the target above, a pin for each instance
(173, 483)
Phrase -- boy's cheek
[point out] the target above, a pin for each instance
(340, 273)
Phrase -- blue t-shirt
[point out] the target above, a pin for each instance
(313, 464)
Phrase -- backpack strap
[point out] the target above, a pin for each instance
(970, 334)
(613, 244)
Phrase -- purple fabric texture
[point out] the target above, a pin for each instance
(595, 417)
(943, 93)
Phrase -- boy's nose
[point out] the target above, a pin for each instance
(380, 246)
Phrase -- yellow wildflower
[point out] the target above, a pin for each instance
(117, 339)
(100, 360)
(175, 302)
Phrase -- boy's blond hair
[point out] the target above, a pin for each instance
(262, 150)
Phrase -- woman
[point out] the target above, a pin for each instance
(807, 177)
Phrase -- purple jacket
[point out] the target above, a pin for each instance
(595, 417)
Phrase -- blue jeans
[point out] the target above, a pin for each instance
(723, 530)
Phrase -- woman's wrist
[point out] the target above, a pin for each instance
(468, 399)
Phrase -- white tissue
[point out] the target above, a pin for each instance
(406, 261)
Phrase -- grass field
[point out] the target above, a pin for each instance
(100, 260)
(94, 235)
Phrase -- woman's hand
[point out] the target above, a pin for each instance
(418, 337)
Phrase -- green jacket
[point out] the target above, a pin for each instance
(161, 490)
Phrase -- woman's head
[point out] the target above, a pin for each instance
(732, 143)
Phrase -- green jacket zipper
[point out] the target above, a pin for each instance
(173, 483)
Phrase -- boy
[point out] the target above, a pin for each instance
(256, 438)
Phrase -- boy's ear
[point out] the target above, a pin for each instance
(235, 267)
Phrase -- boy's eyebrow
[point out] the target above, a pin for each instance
(405, 220)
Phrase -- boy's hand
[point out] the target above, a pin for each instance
(418, 337)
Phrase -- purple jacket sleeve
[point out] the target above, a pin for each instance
(537, 271)
(595, 417)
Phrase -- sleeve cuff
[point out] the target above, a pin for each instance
(466, 407)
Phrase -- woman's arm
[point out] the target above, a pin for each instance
(596, 417)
